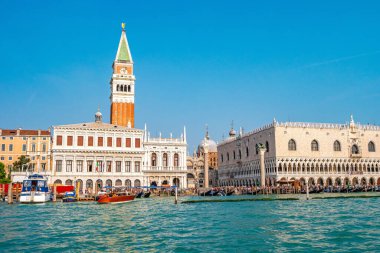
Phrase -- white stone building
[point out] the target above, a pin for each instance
(317, 153)
(99, 154)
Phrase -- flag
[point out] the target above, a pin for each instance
(97, 168)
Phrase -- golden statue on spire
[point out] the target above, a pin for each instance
(123, 26)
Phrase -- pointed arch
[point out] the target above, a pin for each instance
(371, 146)
(337, 146)
(292, 146)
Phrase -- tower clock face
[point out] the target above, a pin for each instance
(123, 71)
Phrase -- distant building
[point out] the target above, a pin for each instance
(34, 144)
(97, 154)
(318, 153)
(196, 164)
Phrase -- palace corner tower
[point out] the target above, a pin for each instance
(123, 86)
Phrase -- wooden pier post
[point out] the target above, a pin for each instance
(307, 190)
(55, 193)
(10, 194)
(176, 196)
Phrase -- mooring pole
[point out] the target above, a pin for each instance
(176, 195)
(307, 190)
(10, 194)
(54, 193)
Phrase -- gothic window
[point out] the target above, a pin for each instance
(117, 88)
(314, 146)
(221, 157)
(125, 87)
(337, 146)
(239, 154)
(355, 149)
(371, 146)
(154, 159)
(247, 151)
(292, 145)
(165, 160)
(267, 146)
(129, 88)
(228, 156)
(234, 155)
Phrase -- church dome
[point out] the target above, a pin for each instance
(212, 147)
(232, 132)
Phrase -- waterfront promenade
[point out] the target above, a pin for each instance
(157, 224)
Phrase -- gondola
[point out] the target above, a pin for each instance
(139, 195)
(147, 194)
(230, 193)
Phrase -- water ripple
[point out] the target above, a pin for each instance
(153, 225)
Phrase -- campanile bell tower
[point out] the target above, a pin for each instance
(123, 85)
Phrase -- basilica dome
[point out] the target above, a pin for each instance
(212, 147)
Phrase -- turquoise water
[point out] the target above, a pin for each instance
(158, 225)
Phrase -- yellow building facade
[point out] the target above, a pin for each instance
(34, 144)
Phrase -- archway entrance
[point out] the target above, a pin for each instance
(98, 185)
(80, 183)
(60, 182)
(176, 182)
(311, 181)
(154, 184)
(89, 186)
(109, 183)
(363, 182)
(69, 182)
(329, 182)
(165, 182)
(346, 181)
(128, 183)
(372, 181)
(338, 182)
(355, 181)
(137, 183)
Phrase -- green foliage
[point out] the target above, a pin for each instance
(19, 164)
(3, 175)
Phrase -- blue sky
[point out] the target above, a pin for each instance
(196, 62)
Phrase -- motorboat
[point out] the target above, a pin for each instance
(111, 198)
(69, 197)
(35, 190)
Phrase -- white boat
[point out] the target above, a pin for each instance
(35, 189)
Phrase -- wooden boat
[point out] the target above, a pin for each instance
(110, 198)
(69, 197)
(147, 195)
(139, 195)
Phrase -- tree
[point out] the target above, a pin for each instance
(3, 175)
(19, 164)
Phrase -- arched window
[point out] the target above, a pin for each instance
(176, 160)
(165, 160)
(154, 159)
(337, 146)
(221, 157)
(355, 149)
(129, 88)
(314, 146)
(117, 88)
(125, 87)
(292, 145)
(228, 156)
(371, 146)
(267, 146)
(234, 155)
(247, 151)
(239, 154)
